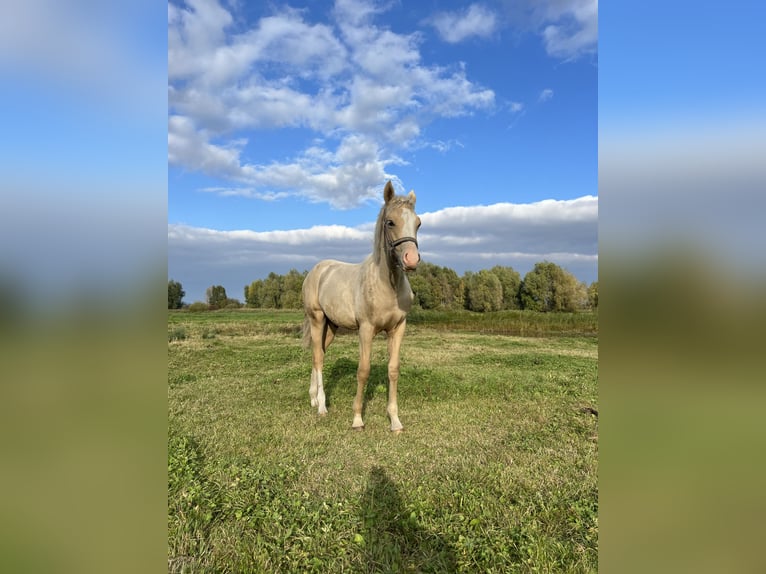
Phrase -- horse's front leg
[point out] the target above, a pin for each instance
(395, 337)
(366, 333)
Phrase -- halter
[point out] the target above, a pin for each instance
(393, 244)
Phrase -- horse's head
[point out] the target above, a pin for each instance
(398, 224)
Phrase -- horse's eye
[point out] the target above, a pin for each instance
(389, 223)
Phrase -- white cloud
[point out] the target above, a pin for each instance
(444, 146)
(381, 54)
(545, 95)
(462, 238)
(344, 178)
(549, 226)
(567, 28)
(245, 192)
(574, 28)
(189, 147)
(476, 20)
(356, 12)
(355, 83)
(194, 34)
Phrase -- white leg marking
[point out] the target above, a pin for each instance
(313, 388)
(320, 394)
(393, 414)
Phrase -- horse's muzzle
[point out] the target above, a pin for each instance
(410, 258)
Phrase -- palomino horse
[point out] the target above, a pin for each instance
(371, 296)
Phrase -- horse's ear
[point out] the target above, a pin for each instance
(388, 192)
(411, 197)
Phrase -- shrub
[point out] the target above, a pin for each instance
(177, 334)
(198, 306)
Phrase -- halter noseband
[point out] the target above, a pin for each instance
(394, 244)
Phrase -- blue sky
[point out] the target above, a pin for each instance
(284, 122)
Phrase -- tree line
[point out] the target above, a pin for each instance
(547, 287)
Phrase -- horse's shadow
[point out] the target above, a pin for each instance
(339, 379)
(393, 541)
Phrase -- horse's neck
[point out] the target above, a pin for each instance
(390, 274)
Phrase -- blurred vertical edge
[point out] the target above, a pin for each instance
(682, 277)
(681, 377)
(83, 238)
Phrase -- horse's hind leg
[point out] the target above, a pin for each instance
(329, 333)
(319, 329)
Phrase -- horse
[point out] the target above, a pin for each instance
(368, 297)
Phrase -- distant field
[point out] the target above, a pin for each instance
(496, 470)
(523, 323)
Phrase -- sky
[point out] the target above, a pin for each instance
(285, 122)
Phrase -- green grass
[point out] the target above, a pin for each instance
(523, 323)
(495, 471)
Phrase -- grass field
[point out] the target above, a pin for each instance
(496, 470)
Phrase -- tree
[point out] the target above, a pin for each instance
(447, 288)
(421, 284)
(292, 287)
(254, 293)
(483, 292)
(593, 295)
(548, 287)
(216, 296)
(271, 294)
(436, 287)
(175, 295)
(581, 300)
(510, 280)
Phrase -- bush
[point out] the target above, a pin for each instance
(198, 306)
(177, 334)
(175, 295)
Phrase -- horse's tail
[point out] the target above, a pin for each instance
(306, 332)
